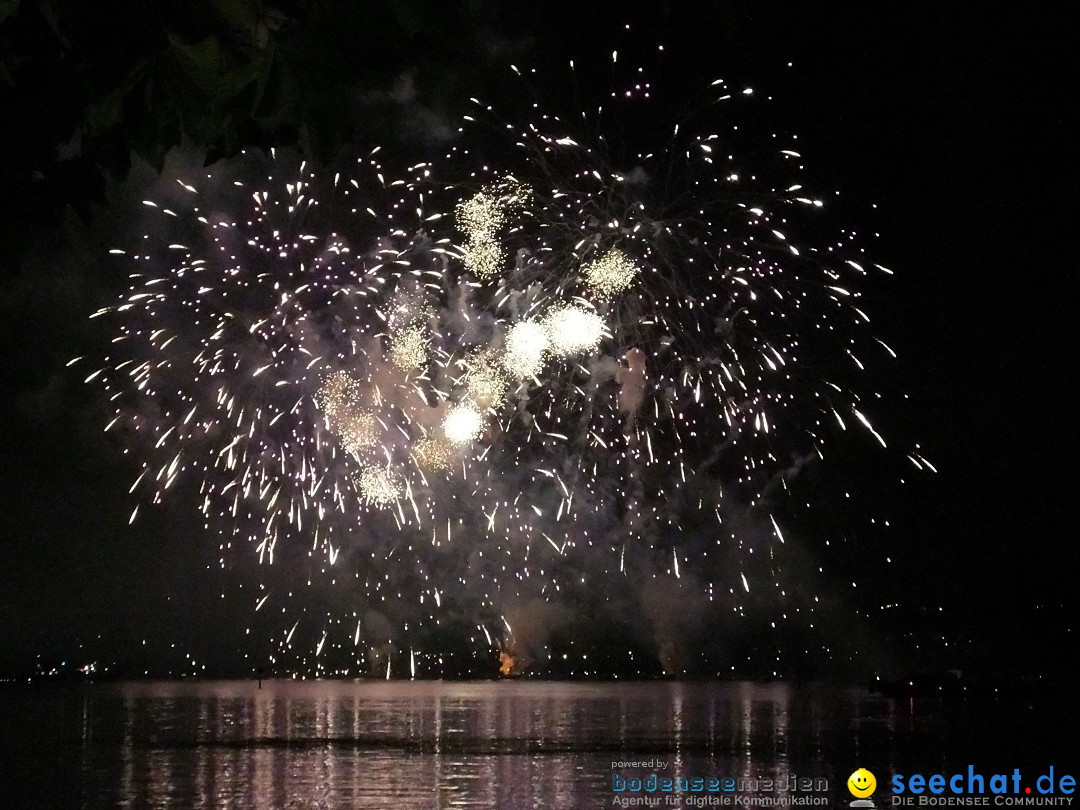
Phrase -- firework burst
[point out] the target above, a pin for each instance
(574, 330)
(610, 274)
(536, 374)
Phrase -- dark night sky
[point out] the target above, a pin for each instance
(959, 124)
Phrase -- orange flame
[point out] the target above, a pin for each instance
(506, 663)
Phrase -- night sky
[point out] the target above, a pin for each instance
(957, 124)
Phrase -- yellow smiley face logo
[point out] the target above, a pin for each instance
(861, 783)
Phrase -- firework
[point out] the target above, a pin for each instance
(434, 453)
(409, 348)
(527, 347)
(573, 330)
(483, 256)
(377, 485)
(486, 383)
(586, 387)
(481, 216)
(463, 424)
(358, 431)
(611, 274)
(338, 394)
(340, 401)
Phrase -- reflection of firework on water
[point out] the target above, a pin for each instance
(587, 388)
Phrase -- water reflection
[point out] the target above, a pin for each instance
(446, 745)
(421, 745)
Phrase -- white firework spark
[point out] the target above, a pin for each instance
(483, 256)
(611, 274)
(527, 348)
(486, 382)
(573, 330)
(378, 485)
(409, 348)
(463, 424)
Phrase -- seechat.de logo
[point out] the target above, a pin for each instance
(861, 784)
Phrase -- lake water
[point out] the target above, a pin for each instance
(521, 744)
